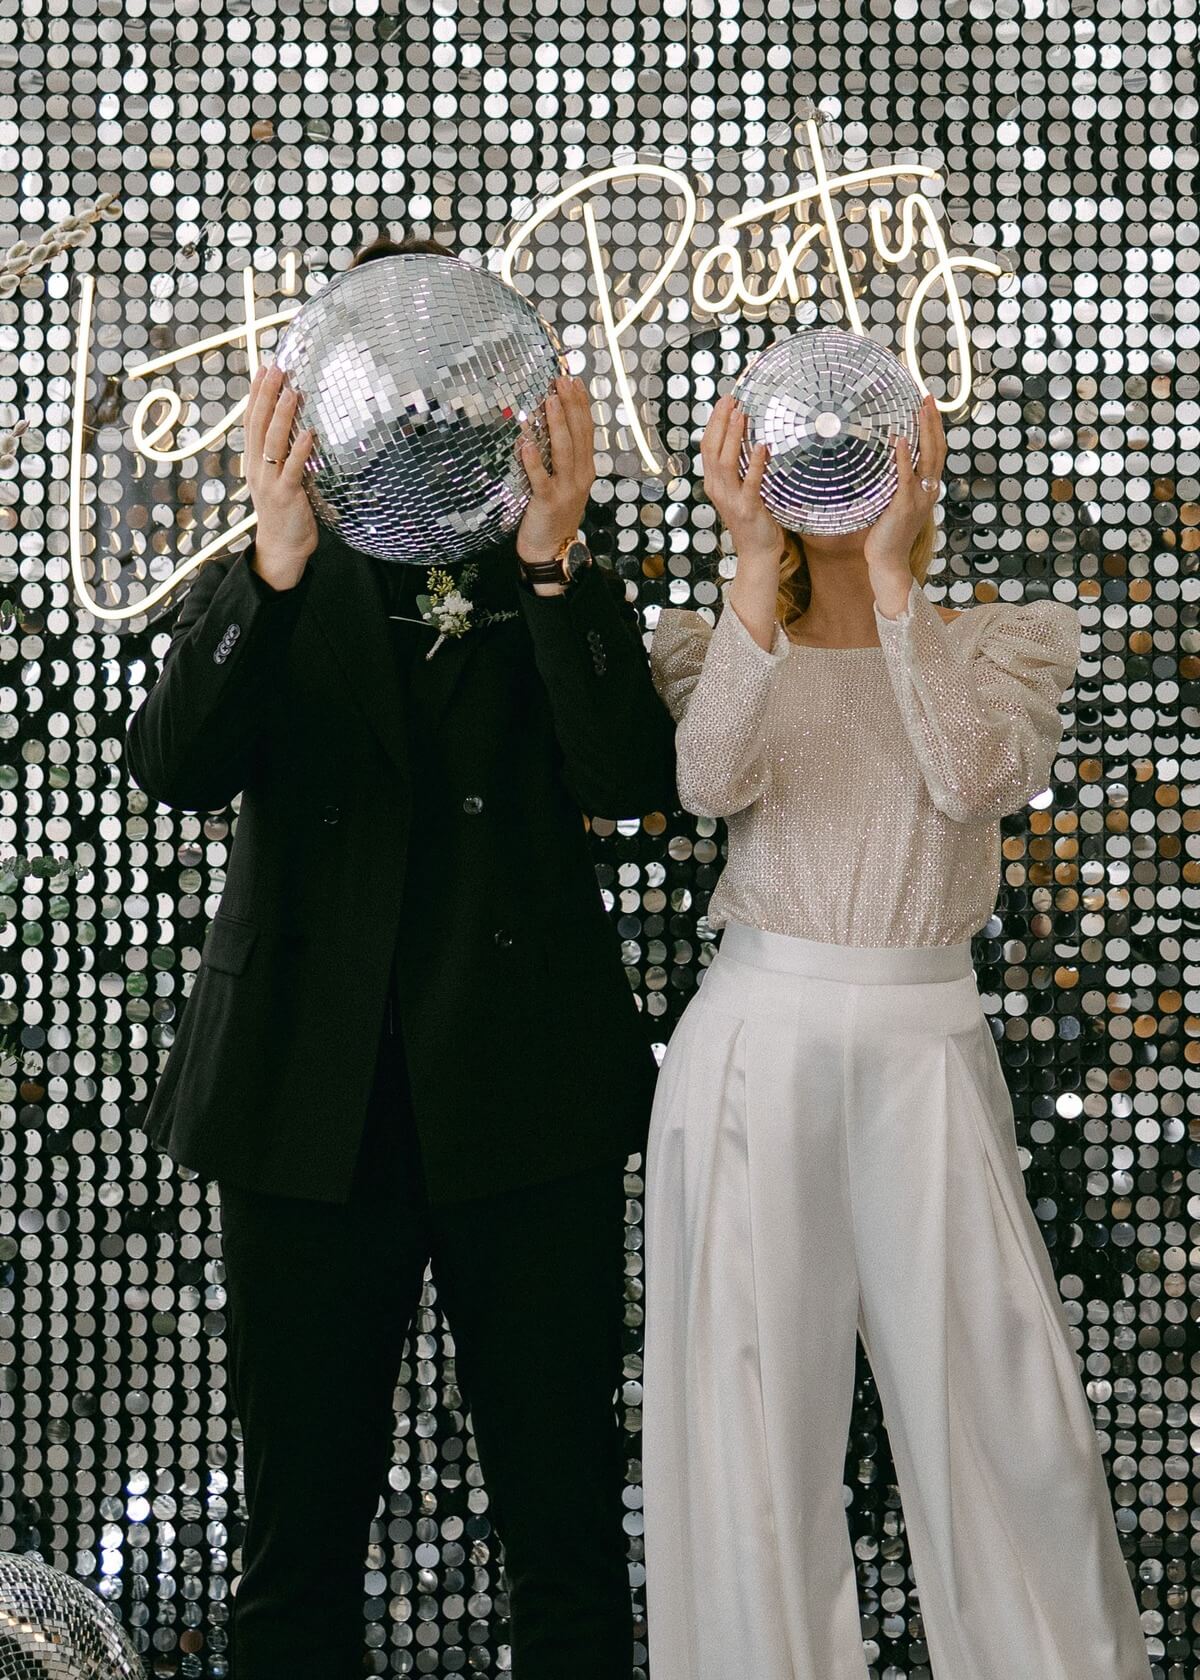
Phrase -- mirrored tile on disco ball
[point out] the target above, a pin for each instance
(830, 406)
(53, 1627)
(415, 373)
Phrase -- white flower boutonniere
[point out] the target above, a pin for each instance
(449, 609)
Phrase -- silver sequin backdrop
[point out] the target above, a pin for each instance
(250, 145)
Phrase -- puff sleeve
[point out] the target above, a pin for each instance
(981, 707)
(716, 682)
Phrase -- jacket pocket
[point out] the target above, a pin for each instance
(229, 944)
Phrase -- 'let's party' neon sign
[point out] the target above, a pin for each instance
(720, 286)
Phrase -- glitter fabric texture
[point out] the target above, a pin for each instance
(415, 372)
(830, 406)
(862, 785)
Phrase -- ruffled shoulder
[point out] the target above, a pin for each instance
(677, 649)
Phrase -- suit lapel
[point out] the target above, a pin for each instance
(441, 675)
(350, 607)
(495, 590)
(348, 603)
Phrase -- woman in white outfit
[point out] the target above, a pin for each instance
(832, 1145)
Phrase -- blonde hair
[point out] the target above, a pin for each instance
(795, 588)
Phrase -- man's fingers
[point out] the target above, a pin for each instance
(583, 430)
(262, 431)
(297, 455)
(562, 455)
(275, 444)
(256, 416)
(531, 459)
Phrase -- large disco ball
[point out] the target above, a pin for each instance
(415, 372)
(53, 1627)
(830, 406)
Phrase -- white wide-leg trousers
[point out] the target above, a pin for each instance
(832, 1150)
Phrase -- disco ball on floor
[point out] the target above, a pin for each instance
(830, 406)
(415, 372)
(53, 1627)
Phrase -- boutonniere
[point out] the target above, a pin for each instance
(449, 609)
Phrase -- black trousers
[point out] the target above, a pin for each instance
(320, 1297)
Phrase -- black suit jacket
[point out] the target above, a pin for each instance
(526, 1055)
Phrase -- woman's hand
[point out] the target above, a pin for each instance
(757, 536)
(889, 541)
(287, 530)
(560, 495)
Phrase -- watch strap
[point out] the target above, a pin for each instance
(544, 571)
(560, 568)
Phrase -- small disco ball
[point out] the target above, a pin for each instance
(830, 406)
(53, 1627)
(415, 373)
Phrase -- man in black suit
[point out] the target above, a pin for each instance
(411, 1035)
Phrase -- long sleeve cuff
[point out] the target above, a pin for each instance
(555, 616)
(730, 629)
(266, 591)
(919, 619)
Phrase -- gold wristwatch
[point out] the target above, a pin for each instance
(572, 556)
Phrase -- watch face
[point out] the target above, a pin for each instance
(577, 557)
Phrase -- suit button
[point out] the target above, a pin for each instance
(503, 937)
(330, 814)
(472, 804)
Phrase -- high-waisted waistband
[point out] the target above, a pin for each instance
(862, 965)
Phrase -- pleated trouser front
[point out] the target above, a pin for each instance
(832, 1151)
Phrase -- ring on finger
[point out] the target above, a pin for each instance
(274, 459)
(929, 483)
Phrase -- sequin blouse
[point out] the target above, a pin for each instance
(863, 786)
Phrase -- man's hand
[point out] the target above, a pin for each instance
(287, 530)
(560, 495)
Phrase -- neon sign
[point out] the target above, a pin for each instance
(247, 336)
(719, 286)
(917, 215)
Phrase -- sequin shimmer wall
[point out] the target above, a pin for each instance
(249, 147)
